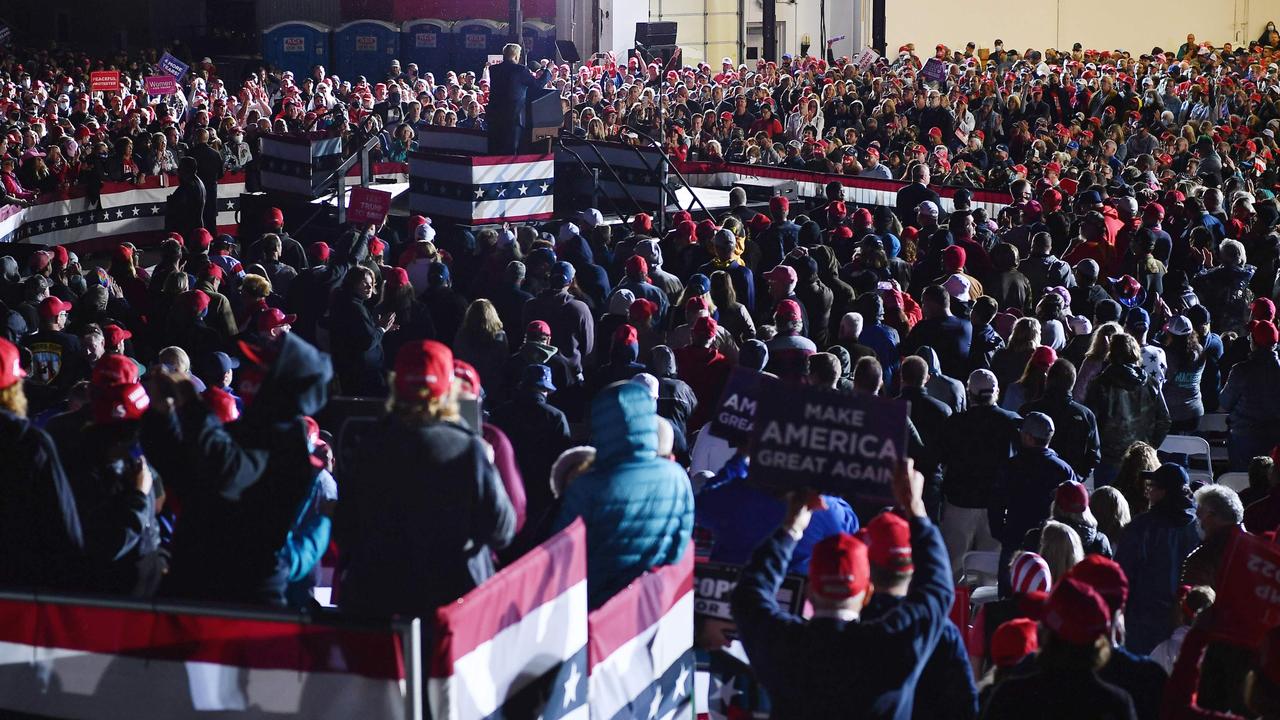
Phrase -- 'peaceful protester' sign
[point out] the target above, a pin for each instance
(847, 445)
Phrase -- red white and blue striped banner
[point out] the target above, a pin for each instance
(298, 164)
(641, 647)
(76, 658)
(482, 189)
(516, 647)
(123, 212)
(859, 190)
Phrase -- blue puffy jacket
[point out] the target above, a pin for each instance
(638, 507)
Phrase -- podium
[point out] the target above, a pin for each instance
(544, 113)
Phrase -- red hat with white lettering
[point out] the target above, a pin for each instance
(838, 567)
(10, 364)
(116, 403)
(888, 541)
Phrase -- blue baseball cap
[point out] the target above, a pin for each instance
(1137, 317)
(561, 274)
(700, 284)
(537, 376)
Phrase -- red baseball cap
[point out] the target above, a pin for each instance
(467, 373)
(273, 318)
(838, 567)
(114, 369)
(705, 325)
(397, 277)
(202, 239)
(1106, 577)
(635, 263)
(787, 310)
(318, 252)
(1263, 332)
(1071, 497)
(537, 327)
(1012, 641)
(195, 301)
(51, 307)
(221, 404)
(275, 216)
(1043, 358)
(10, 364)
(423, 369)
(779, 203)
(116, 403)
(643, 307)
(782, 272)
(1076, 612)
(888, 541)
(625, 335)
(114, 334)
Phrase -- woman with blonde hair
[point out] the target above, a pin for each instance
(1095, 359)
(1112, 512)
(1010, 361)
(1060, 547)
(1138, 459)
(482, 342)
(414, 546)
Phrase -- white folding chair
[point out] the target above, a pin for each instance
(980, 567)
(1235, 480)
(1192, 447)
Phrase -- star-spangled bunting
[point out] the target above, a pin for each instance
(102, 216)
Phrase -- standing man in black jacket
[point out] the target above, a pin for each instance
(1076, 436)
(929, 415)
(509, 84)
(209, 169)
(910, 197)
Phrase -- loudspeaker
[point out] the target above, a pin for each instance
(567, 51)
(656, 33)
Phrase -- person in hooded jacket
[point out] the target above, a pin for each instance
(447, 306)
(942, 387)
(637, 507)
(814, 296)
(877, 335)
(242, 484)
(727, 259)
(1128, 406)
(538, 350)
(1250, 395)
(1071, 508)
(1152, 550)
(42, 542)
(623, 362)
(676, 400)
(410, 547)
(704, 368)
(539, 432)
(572, 327)
(574, 249)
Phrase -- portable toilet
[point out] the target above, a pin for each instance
(474, 41)
(296, 46)
(427, 42)
(539, 40)
(365, 47)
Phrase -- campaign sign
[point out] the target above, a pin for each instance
(934, 70)
(1248, 602)
(736, 416)
(368, 205)
(841, 444)
(104, 80)
(173, 66)
(714, 584)
(867, 58)
(160, 84)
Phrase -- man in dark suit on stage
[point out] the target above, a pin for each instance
(509, 83)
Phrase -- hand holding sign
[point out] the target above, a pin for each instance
(908, 488)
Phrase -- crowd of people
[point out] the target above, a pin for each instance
(161, 424)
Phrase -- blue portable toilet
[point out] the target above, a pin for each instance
(474, 41)
(365, 47)
(539, 40)
(296, 46)
(427, 42)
